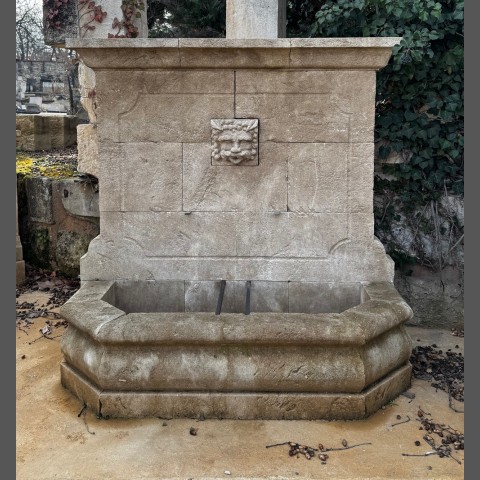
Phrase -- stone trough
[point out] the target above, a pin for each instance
(131, 354)
(247, 164)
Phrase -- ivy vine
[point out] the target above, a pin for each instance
(419, 128)
(131, 10)
(93, 11)
(54, 10)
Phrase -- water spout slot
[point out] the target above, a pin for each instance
(220, 297)
(248, 286)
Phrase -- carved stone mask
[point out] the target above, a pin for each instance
(235, 141)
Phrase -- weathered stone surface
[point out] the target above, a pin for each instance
(238, 405)
(44, 132)
(85, 392)
(39, 194)
(20, 272)
(256, 19)
(295, 118)
(20, 264)
(207, 187)
(151, 177)
(284, 81)
(311, 297)
(317, 177)
(264, 297)
(393, 348)
(194, 352)
(87, 141)
(234, 141)
(173, 118)
(186, 81)
(360, 226)
(141, 177)
(338, 53)
(110, 163)
(70, 247)
(144, 297)
(349, 261)
(437, 298)
(169, 86)
(87, 83)
(214, 53)
(229, 234)
(296, 217)
(197, 367)
(360, 175)
(387, 389)
(78, 197)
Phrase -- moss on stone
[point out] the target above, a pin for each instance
(43, 167)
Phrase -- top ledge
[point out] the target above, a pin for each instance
(284, 43)
(370, 53)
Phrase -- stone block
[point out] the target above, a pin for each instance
(39, 196)
(207, 187)
(314, 297)
(361, 54)
(234, 142)
(300, 118)
(290, 235)
(173, 118)
(78, 197)
(187, 81)
(44, 132)
(115, 255)
(360, 226)
(341, 108)
(264, 296)
(87, 141)
(20, 272)
(256, 19)
(216, 234)
(151, 296)
(110, 163)
(87, 84)
(70, 247)
(317, 177)
(233, 53)
(341, 53)
(137, 53)
(151, 177)
(360, 174)
(322, 82)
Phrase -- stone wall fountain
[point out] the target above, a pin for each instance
(236, 274)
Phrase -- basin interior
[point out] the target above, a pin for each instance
(238, 296)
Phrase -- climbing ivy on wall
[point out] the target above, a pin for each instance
(420, 113)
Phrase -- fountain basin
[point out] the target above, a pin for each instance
(133, 349)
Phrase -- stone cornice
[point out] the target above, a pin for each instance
(370, 53)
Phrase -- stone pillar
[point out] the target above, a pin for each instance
(113, 9)
(256, 18)
(79, 20)
(19, 253)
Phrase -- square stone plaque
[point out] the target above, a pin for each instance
(234, 141)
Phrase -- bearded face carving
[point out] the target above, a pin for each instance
(234, 141)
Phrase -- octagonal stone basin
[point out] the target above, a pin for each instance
(306, 351)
